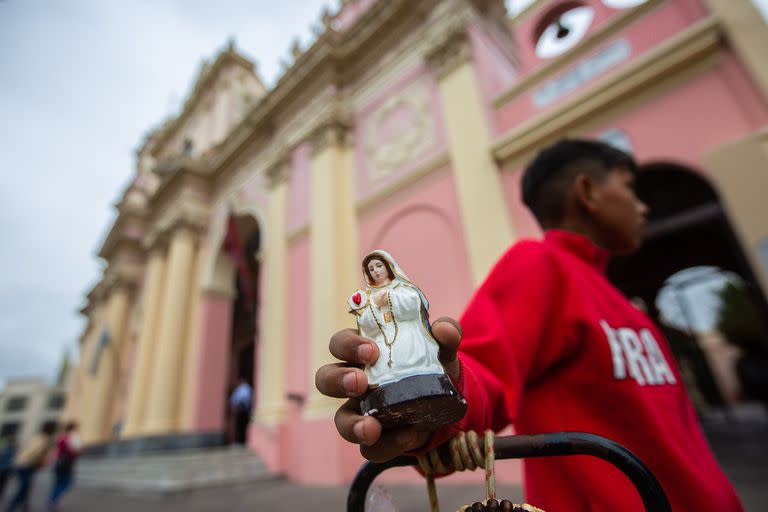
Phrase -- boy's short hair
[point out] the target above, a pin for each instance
(548, 178)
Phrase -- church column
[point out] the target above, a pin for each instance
(271, 360)
(163, 406)
(147, 349)
(484, 213)
(333, 252)
(87, 377)
(745, 30)
(108, 344)
(191, 346)
(738, 170)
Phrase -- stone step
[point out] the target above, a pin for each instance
(171, 472)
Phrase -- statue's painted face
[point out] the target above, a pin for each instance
(378, 272)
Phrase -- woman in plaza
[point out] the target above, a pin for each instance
(30, 458)
(67, 449)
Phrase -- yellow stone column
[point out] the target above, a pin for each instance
(747, 34)
(270, 388)
(147, 348)
(165, 395)
(87, 380)
(333, 266)
(484, 214)
(191, 344)
(104, 385)
(739, 171)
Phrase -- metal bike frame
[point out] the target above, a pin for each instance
(539, 445)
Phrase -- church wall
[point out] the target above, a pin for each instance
(420, 227)
(678, 124)
(495, 70)
(296, 381)
(215, 328)
(126, 363)
(658, 25)
(683, 123)
(298, 188)
(304, 445)
(397, 131)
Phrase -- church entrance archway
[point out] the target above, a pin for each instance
(242, 245)
(691, 264)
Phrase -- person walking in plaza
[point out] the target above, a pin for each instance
(30, 458)
(67, 450)
(240, 403)
(7, 453)
(548, 344)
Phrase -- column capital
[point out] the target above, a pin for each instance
(122, 276)
(120, 283)
(156, 245)
(334, 132)
(450, 49)
(191, 226)
(279, 172)
(159, 237)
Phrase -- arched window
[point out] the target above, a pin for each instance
(562, 28)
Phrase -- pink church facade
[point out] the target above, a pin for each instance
(405, 126)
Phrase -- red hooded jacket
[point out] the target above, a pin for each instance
(550, 345)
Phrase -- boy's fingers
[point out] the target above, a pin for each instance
(447, 333)
(349, 346)
(366, 431)
(354, 427)
(340, 380)
(394, 442)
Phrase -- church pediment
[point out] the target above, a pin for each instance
(225, 89)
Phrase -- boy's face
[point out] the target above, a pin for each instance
(618, 213)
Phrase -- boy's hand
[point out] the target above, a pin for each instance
(347, 380)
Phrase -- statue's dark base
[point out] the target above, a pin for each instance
(425, 401)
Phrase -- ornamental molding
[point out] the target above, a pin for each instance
(205, 84)
(95, 297)
(331, 133)
(279, 172)
(387, 152)
(124, 276)
(591, 42)
(190, 212)
(190, 182)
(334, 59)
(450, 50)
(690, 51)
(126, 232)
(156, 242)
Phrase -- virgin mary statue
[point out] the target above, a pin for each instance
(393, 312)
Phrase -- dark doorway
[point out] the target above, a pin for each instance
(243, 244)
(687, 228)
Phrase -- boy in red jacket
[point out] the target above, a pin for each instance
(549, 345)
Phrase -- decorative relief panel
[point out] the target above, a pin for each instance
(400, 130)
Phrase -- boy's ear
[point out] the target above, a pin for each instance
(585, 191)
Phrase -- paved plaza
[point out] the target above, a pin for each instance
(743, 455)
(269, 495)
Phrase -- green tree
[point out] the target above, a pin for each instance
(739, 319)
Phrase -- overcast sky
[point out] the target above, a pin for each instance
(82, 81)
